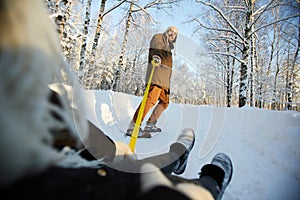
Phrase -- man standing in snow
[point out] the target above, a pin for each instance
(160, 52)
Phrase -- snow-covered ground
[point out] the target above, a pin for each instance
(263, 145)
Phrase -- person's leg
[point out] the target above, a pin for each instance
(216, 176)
(150, 102)
(209, 182)
(167, 162)
(153, 96)
(160, 107)
(176, 159)
(98, 145)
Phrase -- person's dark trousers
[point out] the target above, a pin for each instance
(98, 145)
(167, 162)
(211, 178)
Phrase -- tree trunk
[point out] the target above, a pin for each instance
(293, 73)
(252, 62)
(57, 6)
(98, 29)
(59, 21)
(243, 76)
(116, 86)
(95, 43)
(228, 70)
(273, 105)
(228, 79)
(245, 57)
(83, 74)
(65, 48)
(260, 88)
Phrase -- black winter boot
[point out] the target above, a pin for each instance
(183, 147)
(220, 170)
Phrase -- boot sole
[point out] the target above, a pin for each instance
(151, 131)
(145, 135)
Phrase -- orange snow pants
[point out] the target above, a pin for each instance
(155, 94)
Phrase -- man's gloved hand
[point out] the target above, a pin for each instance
(156, 60)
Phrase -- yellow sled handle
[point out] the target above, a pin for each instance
(135, 132)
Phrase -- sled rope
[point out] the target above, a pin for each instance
(135, 132)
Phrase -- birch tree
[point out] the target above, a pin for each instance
(242, 35)
(95, 44)
(121, 58)
(135, 7)
(66, 15)
(66, 40)
(91, 66)
(84, 40)
(294, 72)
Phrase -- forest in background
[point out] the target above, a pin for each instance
(250, 49)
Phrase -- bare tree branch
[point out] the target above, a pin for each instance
(224, 17)
(114, 7)
(212, 28)
(261, 11)
(227, 54)
(274, 22)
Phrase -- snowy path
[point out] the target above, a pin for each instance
(264, 145)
